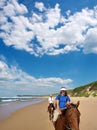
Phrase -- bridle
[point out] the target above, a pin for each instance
(68, 126)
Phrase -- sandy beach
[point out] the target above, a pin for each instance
(35, 117)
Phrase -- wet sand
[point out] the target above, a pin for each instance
(6, 109)
(35, 117)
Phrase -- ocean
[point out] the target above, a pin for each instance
(9, 105)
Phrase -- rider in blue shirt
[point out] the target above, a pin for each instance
(62, 100)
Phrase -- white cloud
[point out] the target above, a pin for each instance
(14, 81)
(40, 6)
(13, 8)
(49, 27)
(53, 16)
(91, 41)
(68, 12)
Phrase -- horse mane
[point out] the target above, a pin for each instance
(73, 105)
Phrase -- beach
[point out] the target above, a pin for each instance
(35, 117)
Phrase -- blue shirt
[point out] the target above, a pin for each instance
(63, 100)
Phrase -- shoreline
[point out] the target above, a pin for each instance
(35, 117)
(8, 108)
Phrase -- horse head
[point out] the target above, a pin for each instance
(73, 116)
(51, 109)
(70, 118)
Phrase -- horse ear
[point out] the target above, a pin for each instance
(78, 102)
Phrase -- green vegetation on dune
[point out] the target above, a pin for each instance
(85, 91)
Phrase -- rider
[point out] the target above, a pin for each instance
(61, 101)
(51, 100)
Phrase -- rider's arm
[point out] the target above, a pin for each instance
(58, 108)
(68, 101)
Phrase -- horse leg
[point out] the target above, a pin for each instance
(50, 116)
(54, 124)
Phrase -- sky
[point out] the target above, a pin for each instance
(46, 45)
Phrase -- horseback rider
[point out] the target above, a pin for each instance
(62, 100)
(51, 107)
(51, 99)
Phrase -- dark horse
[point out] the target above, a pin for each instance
(51, 109)
(70, 118)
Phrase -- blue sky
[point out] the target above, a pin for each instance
(47, 44)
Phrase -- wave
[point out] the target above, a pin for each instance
(10, 105)
(14, 99)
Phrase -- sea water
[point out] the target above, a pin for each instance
(8, 105)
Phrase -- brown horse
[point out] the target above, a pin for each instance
(51, 109)
(70, 118)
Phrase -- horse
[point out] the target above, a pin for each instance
(69, 119)
(51, 109)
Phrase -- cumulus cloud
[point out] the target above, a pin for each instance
(40, 6)
(14, 81)
(47, 31)
(91, 41)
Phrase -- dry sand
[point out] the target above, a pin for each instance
(88, 109)
(35, 117)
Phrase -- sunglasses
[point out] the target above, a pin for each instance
(63, 91)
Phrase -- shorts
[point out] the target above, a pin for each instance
(56, 114)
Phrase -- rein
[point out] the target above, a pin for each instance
(68, 126)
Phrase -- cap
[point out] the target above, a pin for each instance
(63, 89)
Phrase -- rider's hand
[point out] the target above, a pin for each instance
(59, 111)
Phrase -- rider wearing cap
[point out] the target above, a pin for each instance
(61, 101)
(50, 99)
